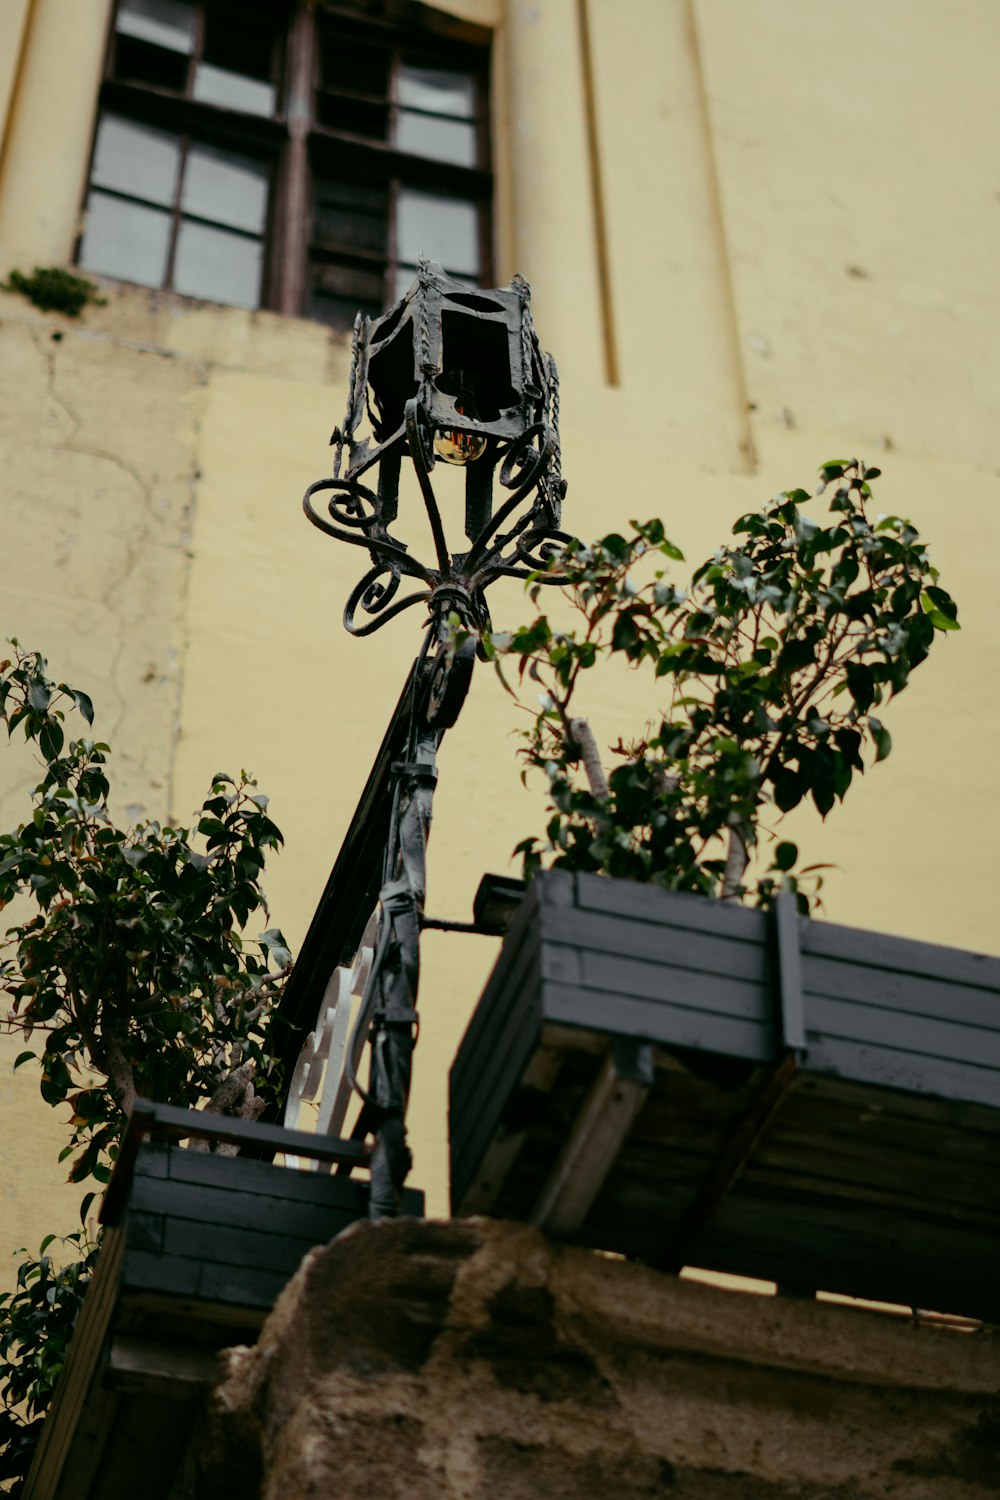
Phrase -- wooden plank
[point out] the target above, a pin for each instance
(161, 1369)
(604, 1121)
(77, 1384)
(899, 990)
(253, 1249)
(149, 1441)
(480, 1193)
(880, 950)
(638, 979)
(889, 1068)
(667, 1023)
(196, 1281)
(730, 1163)
(974, 1120)
(885, 1256)
(240, 1210)
(504, 1009)
(921, 1036)
(784, 1179)
(473, 1125)
(652, 903)
(243, 1174)
(722, 954)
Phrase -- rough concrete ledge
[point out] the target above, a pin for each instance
(474, 1360)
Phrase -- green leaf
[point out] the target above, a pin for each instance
(861, 684)
(882, 738)
(22, 1057)
(942, 616)
(785, 856)
(274, 942)
(82, 701)
(39, 695)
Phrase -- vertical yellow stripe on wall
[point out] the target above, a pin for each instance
(47, 143)
(665, 247)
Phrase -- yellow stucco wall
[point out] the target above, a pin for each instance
(792, 256)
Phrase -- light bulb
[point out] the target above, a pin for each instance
(459, 447)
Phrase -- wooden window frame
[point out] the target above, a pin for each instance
(295, 142)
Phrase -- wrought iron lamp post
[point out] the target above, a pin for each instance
(458, 376)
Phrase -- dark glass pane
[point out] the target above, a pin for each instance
(353, 116)
(338, 290)
(338, 312)
(138, 62)
(217, 265)
(237, 65)
(441, 91)
(140, 160)
(165, 23)
(441, 140)
(442, 229)
(127, 240)
(351, 214)
(225, 186)
(240, 38)
(346, 64)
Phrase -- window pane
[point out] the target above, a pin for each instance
(440, 90)
(353, 116)
(141, 62)
(168, 23)
(127, 240)
(346, 64)
(239, 37)
(442, 229)
(226, 187)
(233, 90)
(219, 266)
(441, 140)
(136, 159)
(352, 215)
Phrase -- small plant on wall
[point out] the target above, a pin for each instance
(775, 664)
(126, 975)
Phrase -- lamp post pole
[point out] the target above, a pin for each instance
(458, 376)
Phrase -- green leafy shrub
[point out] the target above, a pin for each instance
(128, 976)
(776, 660)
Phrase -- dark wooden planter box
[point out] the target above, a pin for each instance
(200, 1247)
(693, 1083)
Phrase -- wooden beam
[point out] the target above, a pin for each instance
(161, 1369)
(605, 1119)
(483, 1192)
(730, 1163)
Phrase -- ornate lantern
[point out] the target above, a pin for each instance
(453, 375)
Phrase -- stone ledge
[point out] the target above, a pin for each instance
(476, 1360)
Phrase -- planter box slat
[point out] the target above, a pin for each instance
(876, 1173)
(651, 1020)
(955, 967)
(848, 1019)
(915, 995)
(672, 908)
(676, 947)
(890, 1068)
